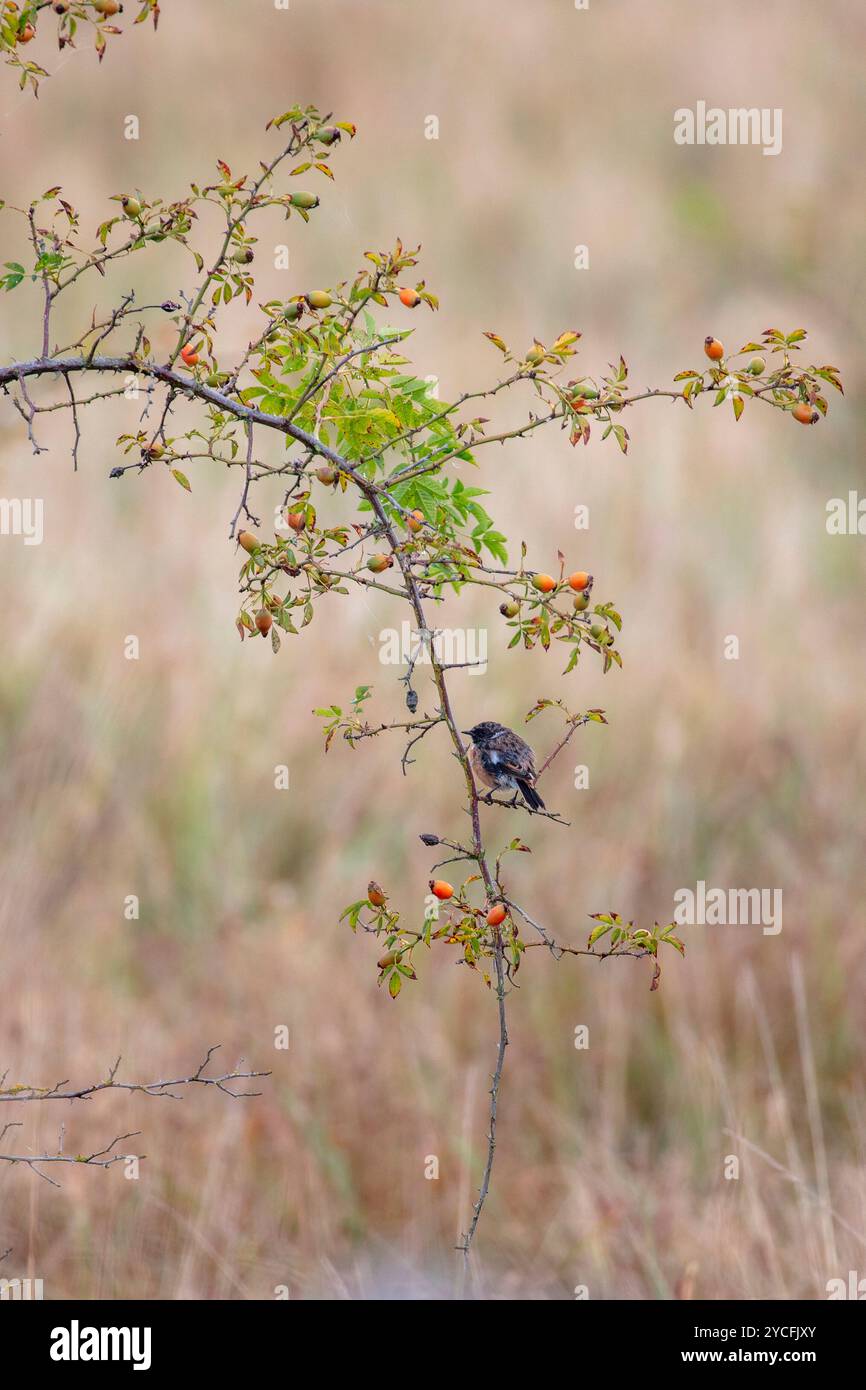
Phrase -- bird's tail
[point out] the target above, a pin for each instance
(530, 795)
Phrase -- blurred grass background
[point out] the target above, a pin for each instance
(155, 777)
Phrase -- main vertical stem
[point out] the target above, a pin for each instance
(477, 843)
(494, 1096)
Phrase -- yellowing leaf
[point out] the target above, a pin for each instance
(565, 340)
(495, 339)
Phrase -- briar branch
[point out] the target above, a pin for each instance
(106, 1157)
(62, 1091)
(100, 1158)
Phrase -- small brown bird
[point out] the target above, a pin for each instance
(501, 760)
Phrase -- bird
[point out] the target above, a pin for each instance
(501, 759)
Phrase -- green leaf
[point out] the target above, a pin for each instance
(598, 932)
(353, 911)
(621, 437)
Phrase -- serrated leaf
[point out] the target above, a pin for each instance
(621, 437)
(598, 932)
(497, 341)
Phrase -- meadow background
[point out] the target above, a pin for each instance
(155, 776)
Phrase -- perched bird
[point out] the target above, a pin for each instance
(501, 760)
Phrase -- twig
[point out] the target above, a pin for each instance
(101, 1158)
(150, 1088)
(242, 505)
(29, 414)
(77, 438)
(574, 726)
(514, 804)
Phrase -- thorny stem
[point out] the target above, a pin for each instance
(62, 366)
(46, 287)
(248, 477)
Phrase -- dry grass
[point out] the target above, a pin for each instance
(156, 777)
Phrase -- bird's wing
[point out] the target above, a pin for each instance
(513, 755)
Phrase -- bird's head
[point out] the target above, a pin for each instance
(482, 733)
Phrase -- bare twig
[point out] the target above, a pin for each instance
(77, 435)
(242, 505)
(101, 1158)
(61, 1090)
